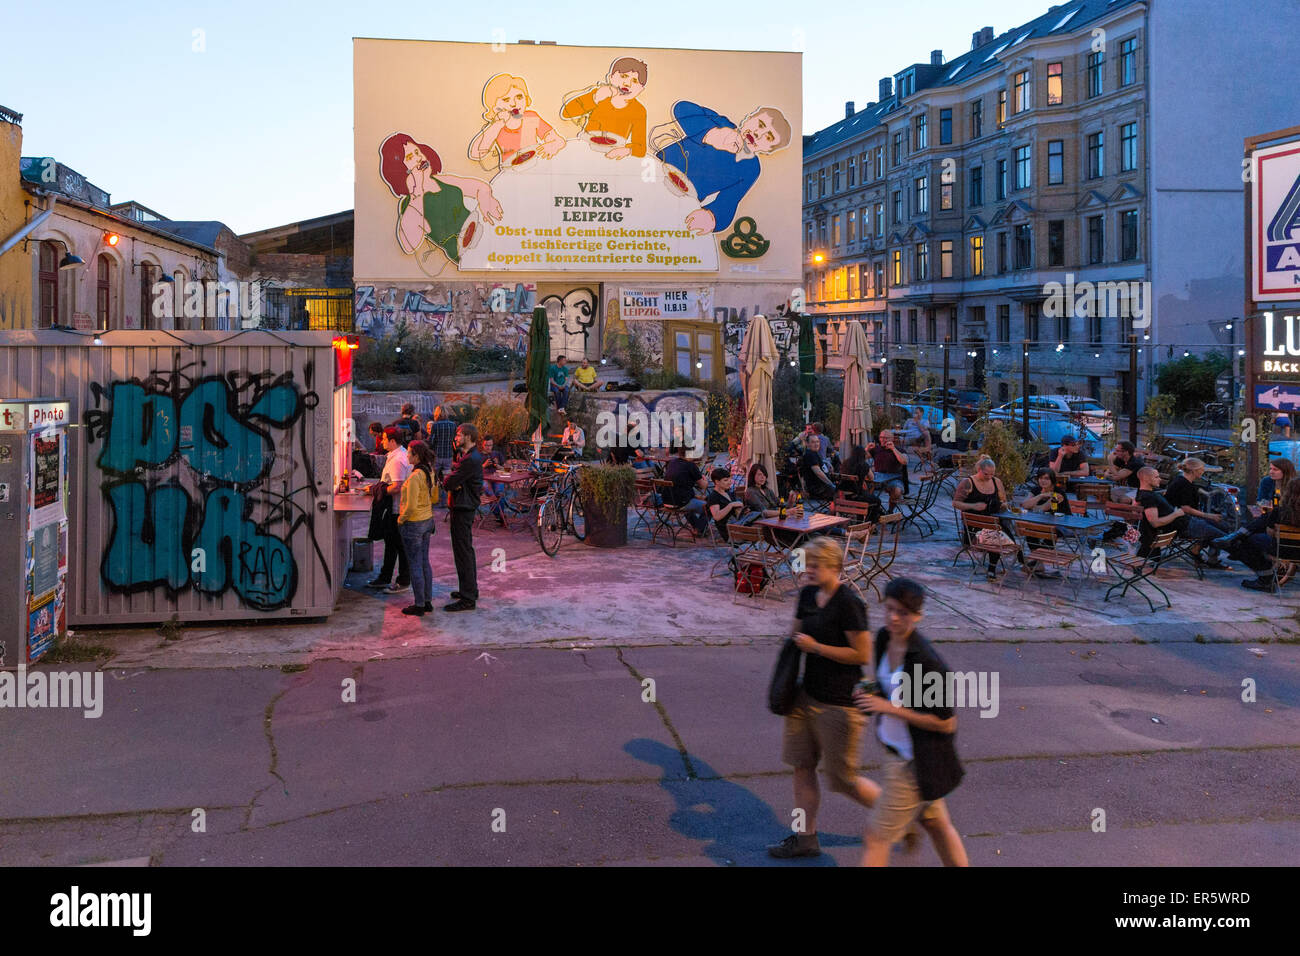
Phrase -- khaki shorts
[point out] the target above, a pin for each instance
(826, 734)
(900, 802)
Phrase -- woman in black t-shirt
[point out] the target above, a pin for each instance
(824, 725)
(722, 507)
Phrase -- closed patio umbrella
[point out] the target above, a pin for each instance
(758, 358)
(807, 361)
(537, 369)
(855, 420)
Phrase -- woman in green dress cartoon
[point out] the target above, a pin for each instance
(431, 204)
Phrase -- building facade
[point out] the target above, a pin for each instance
(15, 276)
(1012, 195)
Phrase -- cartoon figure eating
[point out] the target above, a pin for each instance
(431, 204)
(611, 108)
(513, 131)
(718, 156)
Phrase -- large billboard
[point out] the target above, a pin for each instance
(1275, 226)
(481, 159)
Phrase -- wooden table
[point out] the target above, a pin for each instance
(508, 477)
(808, 524)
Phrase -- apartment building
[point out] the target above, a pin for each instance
(955, 206)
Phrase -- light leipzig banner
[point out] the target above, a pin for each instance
(1275, 225)
(532, 160)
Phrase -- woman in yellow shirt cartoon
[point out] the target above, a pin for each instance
(512, 131)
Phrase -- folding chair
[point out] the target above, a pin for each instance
(751, 549)
(669, 519)
(814, 504)
(887, 528)
(857, 556)
(1078, 507)
(918, 505)
(1041, 543)
(1123, 510)
(860, 510)
(1090, 492)
(643, 504)
(1286, 553)
(1136, 572)
(973, 524)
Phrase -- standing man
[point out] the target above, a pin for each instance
(409, 422)
(464, 487)
(397, 468)
(559, 384)
(442, 438)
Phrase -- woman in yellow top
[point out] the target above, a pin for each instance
(415, 522)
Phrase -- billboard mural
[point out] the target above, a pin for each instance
(575, 159)
(1275, 227)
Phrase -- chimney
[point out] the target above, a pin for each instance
(936, 58)
(848, 109)
(887, 89)
(984, 36)
(871, 105)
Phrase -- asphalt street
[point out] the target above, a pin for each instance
(524, 756)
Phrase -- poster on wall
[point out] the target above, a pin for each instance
(47, 478)
(543, 159)
(1275, 223)
(42, 626)
(688, 304)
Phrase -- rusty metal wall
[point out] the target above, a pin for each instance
(186, 440)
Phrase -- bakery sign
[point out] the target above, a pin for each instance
(660, 304)
(1275, 359)
(1275, 223)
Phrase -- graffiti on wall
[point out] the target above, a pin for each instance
(785, 329)
(574, 319)
(187, 466)
(481, 315)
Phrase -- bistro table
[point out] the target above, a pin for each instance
(1075, 528)
(786, 534)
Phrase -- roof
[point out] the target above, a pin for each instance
(203, 232)
(1062, 20)
(127, 224)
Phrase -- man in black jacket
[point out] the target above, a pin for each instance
(465, 487)
(921, 765)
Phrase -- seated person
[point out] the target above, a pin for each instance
(584, 376)
(1069, 463)
(639, 461)
(686, 478)
(734, 464)
(574, 440)
(558, 383)
(760, 498)
(815, 481)
(494, 460)
(1157, 513)
(915, 435)
(1051, 497)
(890, 467)
(983, 493)
(1256, 543)
(1273, 484)
(1202, 526)
(855, 475)
(723, 508)
(1125, 464)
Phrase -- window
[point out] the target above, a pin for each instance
(852, 172)
(921, 194)
(922, 270)
(853, 225)
(911, 325)
(1023, 168)
(976, 119)
(1128, 235)
(945, 127)
(1096, 155)
(1054, 84)
(952, 325)
(1032, 316)
(1002, 179)
(880, 220)
(1020, 101)
(976, 255)
(945, 196)
(898, 206)
(878, 279)
(1094, 330)
(897, 157)
(821, 182)
(103, 292)
(808, 236)
(862, 223)
(1128, 147)
(835, 178)
(898, 326)
(945, 259)
(1055, 162)
(931, 327)
(48, 278)
(148, 276)
(835, 231)
(1056, 242)
(1096, 240)
(821, 230)
(1002, 252)
(920, 136)
(1004, 323)
(898, 268)
(1063, 327)
(1024, 248)
(977, 186)
(1095, 62)
(864, 277)
(853, 282)
(695, 350)
(880, 161)
(1128, 61)
(1002, 108)
(810, 188)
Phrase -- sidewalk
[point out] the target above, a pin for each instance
(645, 595)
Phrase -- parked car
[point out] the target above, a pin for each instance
(1050, 429)
(1091, 411)
(932, 415)
(965, 402)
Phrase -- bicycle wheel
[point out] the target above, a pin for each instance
(577, 518)
(550, 527)
(1194, 421)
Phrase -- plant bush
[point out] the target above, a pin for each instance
(1011, 457)
(609, 488)
(1159, 413)
(658, 380)
(502, 416)
(1190, 380)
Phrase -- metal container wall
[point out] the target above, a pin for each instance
(201, 470)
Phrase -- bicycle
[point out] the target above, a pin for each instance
(1213, 415)
(560, 511)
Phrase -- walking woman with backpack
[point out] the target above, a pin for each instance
(415, 522)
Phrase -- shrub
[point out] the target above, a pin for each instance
(1159, 413)
(375, 360)
(608, 488)
(431, 363)
(659, 380)
(719, 414)
(1191, 380)
(1000, 444)
(502, 416)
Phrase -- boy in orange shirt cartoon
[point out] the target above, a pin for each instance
(611, 107)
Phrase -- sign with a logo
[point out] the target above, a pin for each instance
(1275, 225)
(682, 303)
(1278, 398)
(46, 414)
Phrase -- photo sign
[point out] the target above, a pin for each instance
(533, 160)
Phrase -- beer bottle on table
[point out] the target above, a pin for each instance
(781, 511)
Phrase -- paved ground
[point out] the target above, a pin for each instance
(530, 711)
